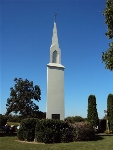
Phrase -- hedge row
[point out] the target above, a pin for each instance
(83, 131)
(54, 131)
(27, 129)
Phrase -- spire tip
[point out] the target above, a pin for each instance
(55, 17)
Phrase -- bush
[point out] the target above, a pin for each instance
(75, 119)
(3, 120)
(52, 131)
(110, 110)
(83, 131)
(27, 129)
(20, 134)
(92, 115)
(67, 135)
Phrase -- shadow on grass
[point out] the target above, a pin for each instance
(101, 136)
(8, 134)
(97, 138)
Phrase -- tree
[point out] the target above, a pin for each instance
(21, 98)
(110, 110)
(92, 115)
(107, 57)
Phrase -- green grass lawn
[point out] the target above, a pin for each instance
(10, 143)
(13, 123)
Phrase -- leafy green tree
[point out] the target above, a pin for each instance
(92, 115)
(21, 98)
(107, 57)
(110, 110)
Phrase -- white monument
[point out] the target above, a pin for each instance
(55, 81)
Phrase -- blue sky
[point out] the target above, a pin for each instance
(26, 35)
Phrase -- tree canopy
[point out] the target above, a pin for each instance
(107, 56)
(21, 98)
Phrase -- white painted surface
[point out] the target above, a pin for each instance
(55, 37)
(55, 92)
(52, 50)
(55, 80)
(55, 65)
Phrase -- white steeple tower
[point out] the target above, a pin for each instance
(55, 81)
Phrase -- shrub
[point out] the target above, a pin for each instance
(75, 119)
(52, 131)
(27, 129)
(92, 115)
(67, 135)
(20, 134)
(83, 131)
(3, 120)
(110, 110)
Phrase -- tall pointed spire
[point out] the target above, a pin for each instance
(55, 37)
